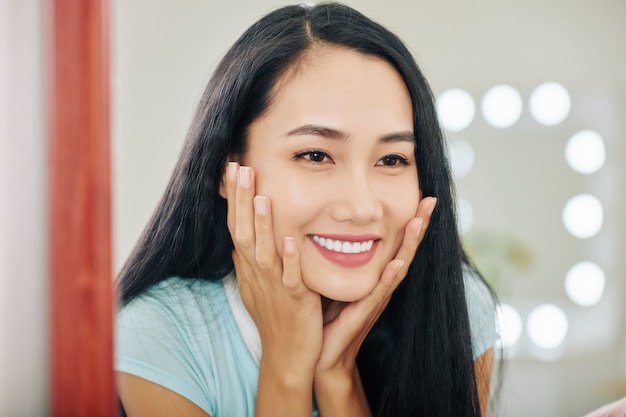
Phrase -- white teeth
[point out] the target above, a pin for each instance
(344, 246)
(356, 247)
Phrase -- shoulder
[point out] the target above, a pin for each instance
(481, 309)
(477, 294)
(173, 310)
(180, 335)
(177, 296)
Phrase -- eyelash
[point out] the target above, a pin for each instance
(397, 159)
(308, 155)
(317, 156)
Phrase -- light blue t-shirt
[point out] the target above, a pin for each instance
(182, 335)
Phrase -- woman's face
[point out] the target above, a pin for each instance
(334, 153)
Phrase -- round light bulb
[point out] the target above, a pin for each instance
(509, 325)
(547, 326)
(584, 152)
(501, 106)
(584, 283)
(583, 216)
(550, 103)
(456, 109)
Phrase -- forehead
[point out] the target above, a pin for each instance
(341, 88)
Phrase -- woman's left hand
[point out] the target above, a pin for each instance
(347, 325)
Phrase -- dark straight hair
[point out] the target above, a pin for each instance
(417, 360)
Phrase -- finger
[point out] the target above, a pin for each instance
(367, 310)
(244, 270)
(247, 287)
(292, 278)
(425, 210)
(244, 212)
(391, 277)
(412, 238)
(231, 186)
(415, 230)
(265, 248)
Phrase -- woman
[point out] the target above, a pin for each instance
(280, 273)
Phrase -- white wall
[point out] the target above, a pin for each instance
(165, 51)
(23, 206)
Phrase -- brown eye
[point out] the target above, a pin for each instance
(314, 156)
(317, 156)
(392, 161)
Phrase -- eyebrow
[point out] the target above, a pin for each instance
(330, 133)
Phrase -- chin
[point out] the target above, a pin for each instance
(343, 289)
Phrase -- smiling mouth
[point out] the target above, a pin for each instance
(342, 246)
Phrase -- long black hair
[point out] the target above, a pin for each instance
(417, 360)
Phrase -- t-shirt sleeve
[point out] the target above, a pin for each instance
(151, 344)
(482, 313)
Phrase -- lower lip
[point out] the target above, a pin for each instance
(347, 259)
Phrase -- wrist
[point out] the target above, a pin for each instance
(341, 393)
(293, 387)
(337, 381)
(292, 375)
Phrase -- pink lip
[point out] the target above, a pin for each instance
(351, 238)
(348, 259)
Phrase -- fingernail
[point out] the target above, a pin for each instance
(290, 244)
(231, 171)
(260, 204)
(245, 176)
(420, 222)
(432, 208)
(399, 263)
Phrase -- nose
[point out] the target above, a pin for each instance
(356, 201)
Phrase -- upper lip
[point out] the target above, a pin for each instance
(348, 238)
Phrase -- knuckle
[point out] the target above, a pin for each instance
(243, 240)
(265, 264)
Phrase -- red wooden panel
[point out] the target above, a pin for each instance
(80, 209)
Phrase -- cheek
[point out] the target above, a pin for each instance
(294, 204)
(402, 207)
(402, 196)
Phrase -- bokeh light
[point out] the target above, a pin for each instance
(584, 152)
(550, 103)
(456, 109)
(584, 283)
(501, 106)
(583, 216)
(509, 325)
(547, 326)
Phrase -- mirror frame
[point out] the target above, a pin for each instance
(77, 76)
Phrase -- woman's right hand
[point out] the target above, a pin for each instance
(287, 314)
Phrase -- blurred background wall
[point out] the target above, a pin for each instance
(513, 182)
(23, 212)
(565, 340)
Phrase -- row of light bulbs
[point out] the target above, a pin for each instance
(549, 104)
(501, 106)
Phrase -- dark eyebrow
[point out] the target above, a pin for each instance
(399, 137)
(316, 130)
(327, 132)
